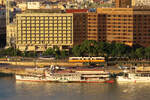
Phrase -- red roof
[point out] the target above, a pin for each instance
(76, 10)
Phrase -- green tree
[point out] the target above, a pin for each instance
(140, 52)
(147, 52)
(57, 52)
(25, 54)
(101, 48)
(76, 51)
(109, 49)
(132, 54)
(120, 49)
(85, 48)
(63, 54)
(88, 48)
(18, 52)
(31, 54)
(49, 51)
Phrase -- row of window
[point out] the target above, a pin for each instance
(68, 30)
(37, 39)
(44, 37)
(45, 32)
(119, 34)
(121, 38)
(127, 15)
(46, 28)
(44, 42)
(46, 17)
(43, 22)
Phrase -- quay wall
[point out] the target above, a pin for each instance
(22, 67)
(42, 64)
(26, 71)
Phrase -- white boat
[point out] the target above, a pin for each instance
(30, 78)
(81, 76)
(134, 77)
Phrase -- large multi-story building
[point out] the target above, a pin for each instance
(39, 31)
(80, 23)
(140, 2)
(11, 35)
(141, 27)
(2, 28)
(79, 27)
(125, 25)
(122, 25)
(92, 33)
(123, 3)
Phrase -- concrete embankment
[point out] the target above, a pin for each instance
(11, 67)
(31, 70)
(10, 70)
(26, 70)
(41, 64)
(22, 67)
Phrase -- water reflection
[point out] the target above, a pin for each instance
(13, 90)
(63, 91)
(84, 91)
(134, 91)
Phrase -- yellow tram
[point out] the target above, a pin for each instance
(86, 59)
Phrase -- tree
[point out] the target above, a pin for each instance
(49, 51)
(76, 51)
(63, 54)
(140, 52)
(132, 54)
(88, 48)
(31, 54)
(147, 52)
(121, 49)
(85, 48)
(109, 49)
(18, 52)
(56, 52)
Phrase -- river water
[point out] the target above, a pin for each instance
(12, 90)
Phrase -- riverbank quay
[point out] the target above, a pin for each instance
(25, 70)
(15, 66)
(40, 63)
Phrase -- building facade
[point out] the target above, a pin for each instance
(39, 31)
(11, 35)
(80, 27)
(129, 26)
(2, 28)
(92, 33)
(123, 3)
(80, 24)
(140, 2)
(125, 25)
(141, 27)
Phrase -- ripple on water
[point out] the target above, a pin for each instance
(72, 91)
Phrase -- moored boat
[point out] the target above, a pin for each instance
(134, 77)
(80, 75)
